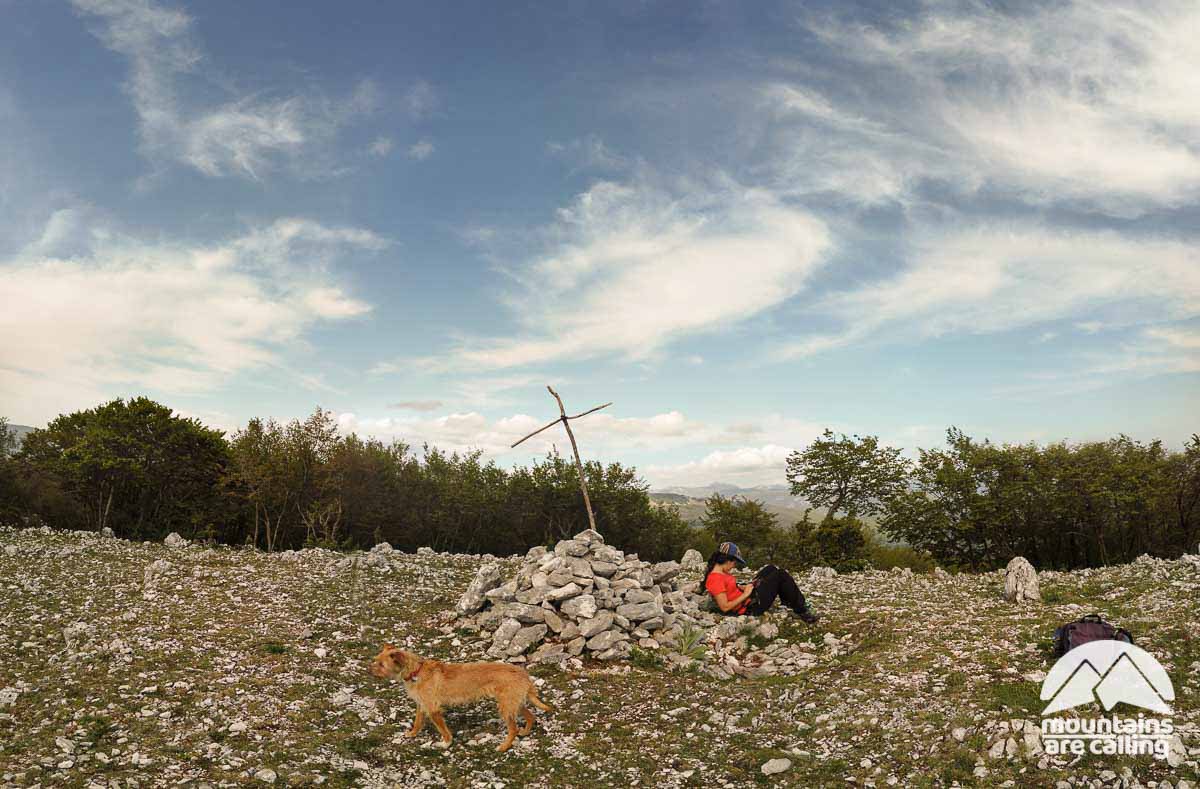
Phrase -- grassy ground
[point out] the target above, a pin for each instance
(231, 663)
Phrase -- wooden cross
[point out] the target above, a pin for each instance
(587, 501)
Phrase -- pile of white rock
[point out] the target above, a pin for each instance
(582, 597)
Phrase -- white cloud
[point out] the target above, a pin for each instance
(417, 405)
(1076, 101)
(743, 466)
(588, 153)
(167, 316)
(993, 278)
(381, 146)
(1155, 351)
(246, 136)
(598, 434)
(632, 268)
(421, 150)
(421, 100)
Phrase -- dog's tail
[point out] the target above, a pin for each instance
(533, 698)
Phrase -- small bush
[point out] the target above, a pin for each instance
(885, 557)
(645, 658)
(691, 643)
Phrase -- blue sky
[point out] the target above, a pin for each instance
(740, 224)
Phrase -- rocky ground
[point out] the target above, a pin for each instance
(141, 664)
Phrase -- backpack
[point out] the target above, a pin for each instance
(1090, 628)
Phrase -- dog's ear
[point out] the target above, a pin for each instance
(387, 647)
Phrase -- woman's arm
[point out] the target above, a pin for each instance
(727, 605)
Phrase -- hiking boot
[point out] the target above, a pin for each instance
(807, 616)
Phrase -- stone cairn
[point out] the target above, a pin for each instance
(582, 597)
(588, 599)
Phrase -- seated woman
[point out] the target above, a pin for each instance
(770, 583)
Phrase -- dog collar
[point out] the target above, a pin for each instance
(412, 676)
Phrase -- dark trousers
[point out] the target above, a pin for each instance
(776, 583)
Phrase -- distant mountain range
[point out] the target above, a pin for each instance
(20, 431)
(776, 499)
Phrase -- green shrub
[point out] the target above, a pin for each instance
(645, 658)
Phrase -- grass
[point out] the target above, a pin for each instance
(915, 660)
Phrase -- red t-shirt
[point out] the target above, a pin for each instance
(723, 582)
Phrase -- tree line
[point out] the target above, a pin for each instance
(138, 468)
(975, 504)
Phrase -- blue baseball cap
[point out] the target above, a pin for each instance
(732, 549)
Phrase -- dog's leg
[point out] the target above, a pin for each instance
(528, 727)
(418, 724)
(510, 720)
(440, 722)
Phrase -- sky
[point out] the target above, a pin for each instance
(740, 223)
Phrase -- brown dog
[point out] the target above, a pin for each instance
(433, 684)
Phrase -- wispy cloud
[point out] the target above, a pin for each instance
(421, 150)
(381, 146)
(994, 278)
(421, 100)
(248, 135)
(1084, 102)
(589, 153)
(167, 316)
(417, 405)
(632, 267)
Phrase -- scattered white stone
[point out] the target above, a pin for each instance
(776, 766)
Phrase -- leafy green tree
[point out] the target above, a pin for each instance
(134, 466)
(847, 474)
(976, 505)
(746, 522)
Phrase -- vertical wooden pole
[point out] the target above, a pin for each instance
(587, 500)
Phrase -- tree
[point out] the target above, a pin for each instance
(260, 472)
(745, 522)
(134, 466)
(854, 475)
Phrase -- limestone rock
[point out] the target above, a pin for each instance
(693, 560)
(605, 640)
(602, 621)
(564, 592)
(486, 579)
(637, 612)
(504, 634)
(570, 548)
(175, 541)
(1021, 581)
(589, 537)
(665, 571)
(526, 637)
(603, 569)
(581, 607)
(776, 766)
(528, 614)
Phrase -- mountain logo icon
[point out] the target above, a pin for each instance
(1108, 672)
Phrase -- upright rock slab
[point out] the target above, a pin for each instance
(487, 579)
(1021, 581)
